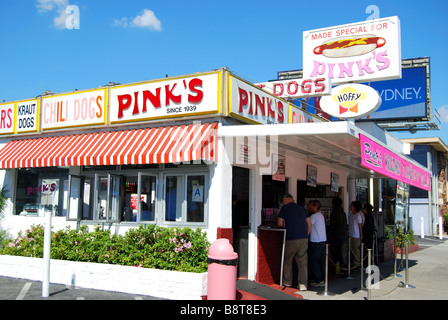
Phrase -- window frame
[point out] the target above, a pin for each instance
(183, 221)
(160, 175)
(139, 200)
(80, 199)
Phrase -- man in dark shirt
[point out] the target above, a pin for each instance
(296, 221)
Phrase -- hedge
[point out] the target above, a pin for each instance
(150, 246)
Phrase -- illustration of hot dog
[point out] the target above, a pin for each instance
(349, 46)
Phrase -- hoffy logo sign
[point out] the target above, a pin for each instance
(351, 101)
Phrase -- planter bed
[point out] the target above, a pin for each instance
(143, 281)
(412, 248)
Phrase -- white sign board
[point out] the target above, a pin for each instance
(27, 116)
(359, 52)
(172, 98)
(297, 88)
(81, 108)
(351, 101)
(7, 118)
(254, 105)
(198, 194)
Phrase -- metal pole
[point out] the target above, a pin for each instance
(362, 266)
(349, 254)
(369, 285)
(395, 256)
(47, 248)
(440, 228)
(375, 247)
(407, 285)
(422, 228)
(283, 257)
(326, 292)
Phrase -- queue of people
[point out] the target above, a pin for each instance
(306, 236)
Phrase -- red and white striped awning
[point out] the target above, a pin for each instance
(171, 144)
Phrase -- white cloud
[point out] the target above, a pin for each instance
(147, 20)
(48, 5)
(443, 112)
(123, 22)
(59, 5)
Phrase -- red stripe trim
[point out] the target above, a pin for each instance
(171, 144)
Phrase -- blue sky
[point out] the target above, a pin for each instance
(136, 40)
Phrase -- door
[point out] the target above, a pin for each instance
(107, 197)
(75, 203)
(240, 217)
(147, 196)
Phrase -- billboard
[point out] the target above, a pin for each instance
(405, 98)
(358, 52)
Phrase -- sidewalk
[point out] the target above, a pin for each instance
(427, 279)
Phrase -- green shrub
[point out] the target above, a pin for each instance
(405, 237)
(176, 249)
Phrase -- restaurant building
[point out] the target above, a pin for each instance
(207, 150)
(427, 207)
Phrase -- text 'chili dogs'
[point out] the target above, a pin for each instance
(348, 46)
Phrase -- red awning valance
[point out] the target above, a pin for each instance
(171, 144)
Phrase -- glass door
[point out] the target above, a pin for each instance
(147, 195)
(113, 198)
(107, 197)
(75, 203)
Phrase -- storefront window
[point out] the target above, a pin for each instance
(134, 197)
(40, 190)
(101, 187)
(195, 198)
(148, 196)
(173, 198)
(185, 198)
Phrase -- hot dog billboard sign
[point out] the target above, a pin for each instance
(358, 52)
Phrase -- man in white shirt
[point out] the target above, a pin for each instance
(318, 237)
(355, 222)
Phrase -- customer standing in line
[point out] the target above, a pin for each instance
(316, 250)
(355, 222)
(296, 221)
(338, 231)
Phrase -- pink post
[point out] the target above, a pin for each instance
(222, 269)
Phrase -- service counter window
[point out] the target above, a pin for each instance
(185, 198)
(173, 198)
(39, 190)
(148, 196)
(195, 198)
(139, 197)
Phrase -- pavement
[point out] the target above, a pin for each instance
(426, 279)
(21, 289)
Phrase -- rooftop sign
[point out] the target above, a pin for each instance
(358, 52)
